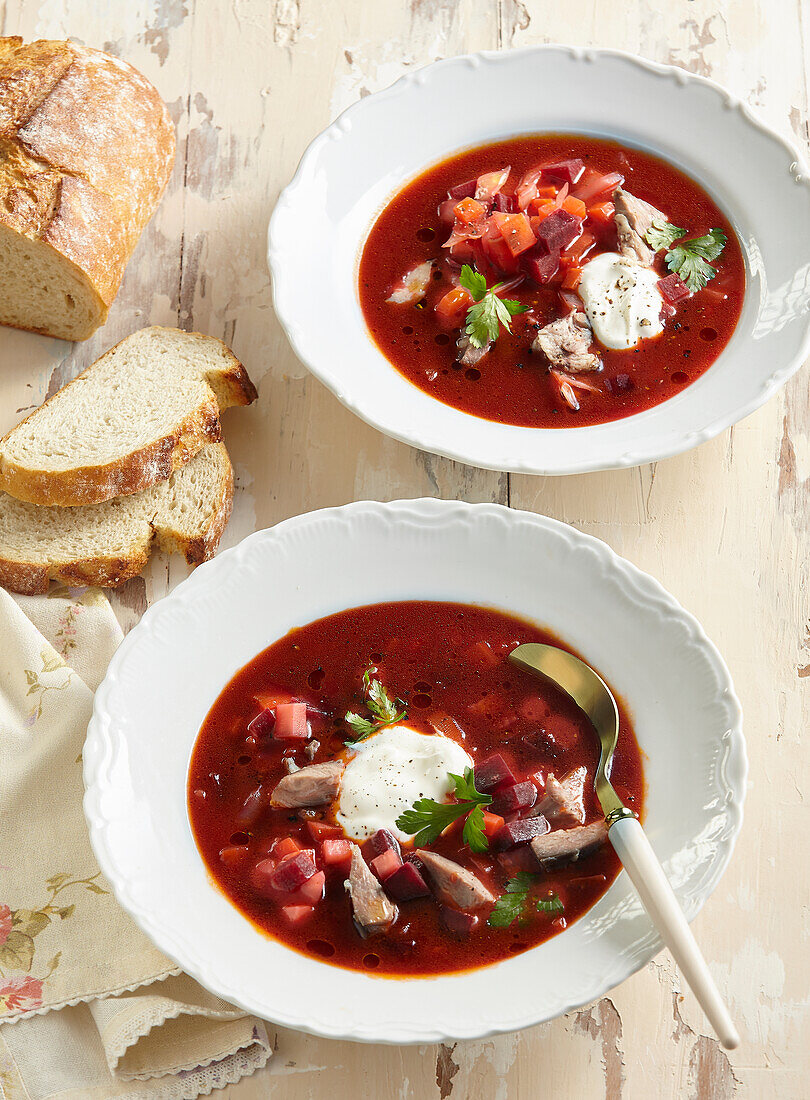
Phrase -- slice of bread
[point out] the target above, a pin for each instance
(106, 544)
(139, 412)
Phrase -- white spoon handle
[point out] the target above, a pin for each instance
(639, 860)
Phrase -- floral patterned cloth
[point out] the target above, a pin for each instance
(129, 1024)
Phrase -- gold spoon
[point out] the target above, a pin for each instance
(594, 698)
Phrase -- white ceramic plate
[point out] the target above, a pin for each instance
(354, 167)
(172, 666)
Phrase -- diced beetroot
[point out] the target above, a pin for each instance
(262, 724)
(413, 858)
(447, 212)
(297, 914)
(232, 854)
(251, 809)
(506, 204)
(406, 883)
(463, 190)
(457, 921)
(540, 264)
(519, 831)
(319, 830)
(336, 853)
(380, 842)
(493, 772)
(564, 171)
(514, 799)
(518, 859)
(293, 871)
(559, 230)
(672, 289)
(291, 722)
(311, 892)
(385, 864)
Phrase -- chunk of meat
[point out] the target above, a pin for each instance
(454, 884)
(468, 355)
(569, 844)
(564, 800)
(412, 286)
(633, 218)
(566, 343)
(314, 785)
(373, 909)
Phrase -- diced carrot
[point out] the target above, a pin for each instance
(546, 194)
(319, 830)
(571, 278)
(469, 211)
(232, 854)
(516, 232)
(576, 207)
(296, 914)
(601, 214)
(497, 251)
(336, 852)
(543, 209)
(452, 308)
(492, 822)
(286, 847)
(581, 246)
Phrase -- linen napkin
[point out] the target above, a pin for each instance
(89, 1008)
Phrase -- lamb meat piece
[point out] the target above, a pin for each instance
(373, 909)
(564, 800)
(314, 785)
(633, 218)
(453, 884)
(569, 844)
(566, 344)
(468, 355)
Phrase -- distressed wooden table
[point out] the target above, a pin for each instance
(249, 83)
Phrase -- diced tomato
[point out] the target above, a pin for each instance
(385, 863)
(575, 206)
(490, 183)
(469, 212)
(311, 892)
(492, 822)
(291, 722)
(581, 247)
(336, 853)
(452, 308)
(319, 830)
(601, 214)
(296, 914)
(232, 854)
(516, 232)
(497, 251)
(571, 278)
(286, 847)
(593, 186)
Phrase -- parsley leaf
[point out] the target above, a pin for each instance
(384, 710)
(662, 234)
(509, 906)
(690, 259)
(488, 312)
(550, 905)
(428, 819)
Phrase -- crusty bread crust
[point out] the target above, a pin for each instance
(156, 462)
(86, 150)
(33, 578)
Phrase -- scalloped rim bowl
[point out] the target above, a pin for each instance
(172, 666)
(350, 171)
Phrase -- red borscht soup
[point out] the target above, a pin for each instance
(552, 281)
(384, 791)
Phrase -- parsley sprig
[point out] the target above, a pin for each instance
(511, 905)
(427, 819)
(384, 710)
(488, 312)
(690, 260)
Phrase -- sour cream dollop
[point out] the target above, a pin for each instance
(389, 771)
(622, 300)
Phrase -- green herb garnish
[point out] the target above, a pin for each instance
(384, 710)
(550, 905)
(690, 259)
(488, 311)
(662, 234)
(427, 819)
(510, 905)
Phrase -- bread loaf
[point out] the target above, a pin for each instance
(86, 150)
